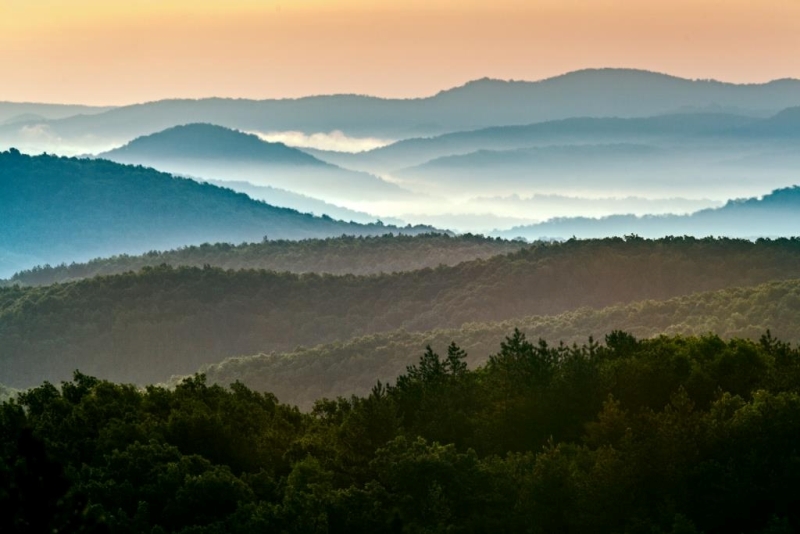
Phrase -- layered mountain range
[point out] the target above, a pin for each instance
(477, 104)
(69, 209)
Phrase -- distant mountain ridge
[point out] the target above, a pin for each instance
(483, 103)
(785, 124)
(67, 209)
(23, 118)
(214, 152)
(684, 128)
(774, 215)
(568, 155)
(627, 93)
(547, 169)
(38, 111)
(712, 155)
(208, 141)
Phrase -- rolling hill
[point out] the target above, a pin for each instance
(342, 255)
(214, 152)
(705, 154)
(477, 104)
(144, 327)
(209, 142)
(352, 368)
(549, 169)
(773, 215)
(784, 125)
(13, 112)
(545, 207)
(680, 128)
(66, 209)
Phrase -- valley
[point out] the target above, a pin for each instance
(416, 268)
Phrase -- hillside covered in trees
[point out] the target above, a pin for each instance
(265, 270)
(67, 209)
(304, 375)
(671, 435)
(342, 255)
(143, 327)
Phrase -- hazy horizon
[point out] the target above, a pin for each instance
(300, 138)
(623, 122)
(357, 266)
(101, 53)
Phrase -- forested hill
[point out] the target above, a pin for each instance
(340, 255)
(664, 436)
(302, 376)
(66, 209)
(209, 142)
(145, 326)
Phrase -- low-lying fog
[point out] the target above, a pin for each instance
(450, 182)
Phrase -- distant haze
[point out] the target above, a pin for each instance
(336, 140)
(100, 52)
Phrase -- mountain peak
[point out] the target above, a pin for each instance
(209, 141)
(604, 74)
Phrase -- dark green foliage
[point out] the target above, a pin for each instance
(34, 491)
(341, 255)
(668, 435)
(146, 326)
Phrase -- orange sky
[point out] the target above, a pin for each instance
(117, 52)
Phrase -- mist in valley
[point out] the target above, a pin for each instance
(567, 303)
(492, 179)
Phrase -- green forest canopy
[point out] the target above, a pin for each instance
(340, 255)
(144, 327)
(338, 369)
(669, 435)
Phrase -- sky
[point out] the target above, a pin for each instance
(110, 52)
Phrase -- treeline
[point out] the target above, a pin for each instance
(341, 255)
(345, 368)
(669, 435)
(774, 214)
(143, 327)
